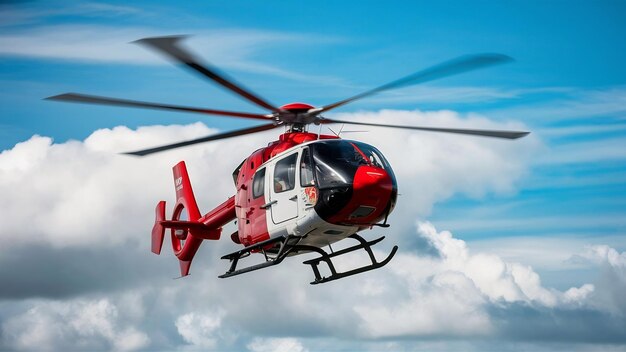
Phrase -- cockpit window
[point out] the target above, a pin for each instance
(285, 174)
(374, 157)
(336, 161)
(306, 169)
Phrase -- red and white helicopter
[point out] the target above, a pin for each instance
(299, 194)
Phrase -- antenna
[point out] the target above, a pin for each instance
(341, 129)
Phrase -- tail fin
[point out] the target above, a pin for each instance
(188, 234)
(184, 243)
(184, 192)
(185, 199)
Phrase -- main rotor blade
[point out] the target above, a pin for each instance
(93, 99)
(170, 47)
(213, 137)
(448, 68)
(484, 133)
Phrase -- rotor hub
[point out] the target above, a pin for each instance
(297, 114)
(297, 107)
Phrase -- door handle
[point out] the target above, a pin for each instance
(294, 197)
(267, 205)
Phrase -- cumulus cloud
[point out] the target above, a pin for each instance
(80, 202)
(431, 167)
(452, 292)
(613, 276)
(81, 214)
(68, 201)
(74, 325)
(68, 193)
(200, 330)
(603, 254)
(83, 194)
(276, 345)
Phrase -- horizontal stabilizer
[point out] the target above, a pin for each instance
(158, 231)
(197, 229)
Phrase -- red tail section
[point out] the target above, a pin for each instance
(184, 192)
(158, 231)
(188, 234)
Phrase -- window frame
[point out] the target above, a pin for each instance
(254, 180)
(295, 165)
(306, 153)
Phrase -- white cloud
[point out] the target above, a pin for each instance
(434, 94)
(578, 294)
(70, 193)
(21, 15)
(286, 344)
(603, 254)
(539, 223)
(200, 330)
(612, 282)
(79, 43)
(431, 167)
(604, 150)
(578, 130)
(78, 324)
(99, 9)
(26, 34)
(451, 291)
(576, 105)
(100, 44)
(81, 195)
(553, 255)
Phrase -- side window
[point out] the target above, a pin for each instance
(306, 169)
(285, 174)
(237, 171)
(258, 183)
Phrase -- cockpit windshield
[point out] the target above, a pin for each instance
(374, 156)
(336, 161)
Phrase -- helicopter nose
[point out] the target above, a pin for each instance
(372, 196)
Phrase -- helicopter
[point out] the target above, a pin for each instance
(300, 193)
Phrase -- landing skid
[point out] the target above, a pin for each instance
(288, 245)
(334, 275)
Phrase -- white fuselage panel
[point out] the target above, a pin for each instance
(292, 211)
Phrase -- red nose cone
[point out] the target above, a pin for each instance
(372, 191)
(296, 106)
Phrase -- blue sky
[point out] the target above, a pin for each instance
(567, 86)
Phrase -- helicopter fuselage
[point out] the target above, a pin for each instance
(316, 187)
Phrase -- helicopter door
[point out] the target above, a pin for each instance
(284, 193)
